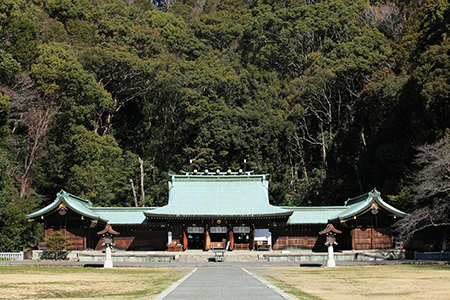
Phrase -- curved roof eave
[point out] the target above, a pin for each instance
(46, 210)
(366, 204)
(78, 205)
(274, 215)
(83, 210)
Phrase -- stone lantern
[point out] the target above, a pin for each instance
(330, 241)
(108, 234)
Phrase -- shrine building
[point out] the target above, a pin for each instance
(222, 210)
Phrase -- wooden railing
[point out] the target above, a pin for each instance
(11, 256)
(432, 255)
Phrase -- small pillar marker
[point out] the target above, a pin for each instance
(330, 233)
(108, 233)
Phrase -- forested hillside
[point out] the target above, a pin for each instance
(330, 98)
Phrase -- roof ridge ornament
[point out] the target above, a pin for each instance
(216, 173)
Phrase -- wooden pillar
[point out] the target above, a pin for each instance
(207, 240)
(391, 239)
(231, 239)
(353, 233)
(372, 238)
(252, 238)
(185, 240)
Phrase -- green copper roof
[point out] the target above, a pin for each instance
(69, 201)
(232, 196)
(361, 204)
(123, 215)
(313, 215)
(111, 215)
(218, 196)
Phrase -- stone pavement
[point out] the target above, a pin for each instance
(222, 283)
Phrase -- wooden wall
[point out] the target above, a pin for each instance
(138, 239)
(364, 238)
(76, 236)
(297, 238)
(360, 234)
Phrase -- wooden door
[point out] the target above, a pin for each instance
(372, 238)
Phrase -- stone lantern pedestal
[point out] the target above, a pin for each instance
(330, 261)
(330, 233)
(108, 233)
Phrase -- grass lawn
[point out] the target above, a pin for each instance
(85, 283)
(430, 282)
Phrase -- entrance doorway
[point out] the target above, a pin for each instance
(195, 241)
(242, 238)
(195, 237)
(218, 237)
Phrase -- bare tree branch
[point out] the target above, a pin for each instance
(134, 193)
(422, 218)
(141, 167)
(431, 185)
(38, 121)
(33, 114)
(387, 18)
(434, 177)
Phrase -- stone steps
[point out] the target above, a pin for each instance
(229, 256)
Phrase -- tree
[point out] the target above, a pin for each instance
(15, 231)
(57, 243)
(388, 18)
(8, 67)
(431, 185)
(5, 108)
(96, 168)
(20, 38)
(80, 99)
(38, 120)
(31, 116)
(68, 9)
(432, 81)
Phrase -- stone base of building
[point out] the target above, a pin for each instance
(98, 256)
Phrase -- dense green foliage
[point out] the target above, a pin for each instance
(328, 97)
(56, 243)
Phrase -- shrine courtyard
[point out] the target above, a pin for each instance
(351, 282)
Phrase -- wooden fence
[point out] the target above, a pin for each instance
(432, 255)
(11, 256)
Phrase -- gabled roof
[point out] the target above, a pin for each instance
(110, 215)
(220, 195)
(359, 205)
(71, 202)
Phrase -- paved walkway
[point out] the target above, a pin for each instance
(222, 283)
